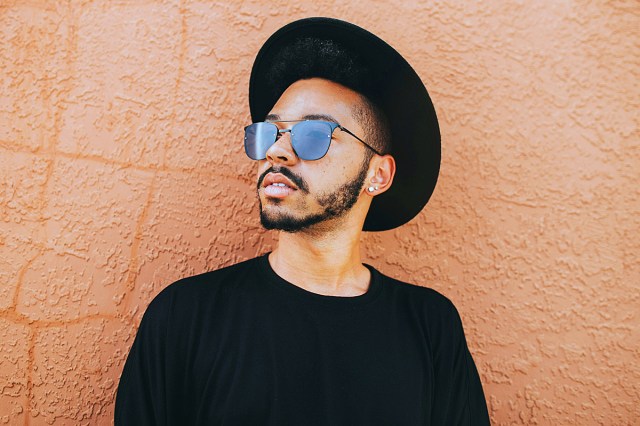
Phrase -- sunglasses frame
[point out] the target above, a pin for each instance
(332, 125)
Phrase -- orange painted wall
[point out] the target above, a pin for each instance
(122, 169)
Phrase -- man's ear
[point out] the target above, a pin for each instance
(382, 169)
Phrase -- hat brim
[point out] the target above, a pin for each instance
(400, 94)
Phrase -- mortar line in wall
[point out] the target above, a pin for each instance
(107, 161)
(74, 321)
(180, 75)
(137, 237)
(18, 318)
(30, 366)
(50, 153)
(54, 112)
(18, 148)
(21, 273)
(125, 164)
(133, 261)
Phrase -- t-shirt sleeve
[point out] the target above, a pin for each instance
(458, 399)
(140, 399)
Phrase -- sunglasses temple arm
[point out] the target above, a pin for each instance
(366, 144)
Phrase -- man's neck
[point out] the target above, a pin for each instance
(327, 263)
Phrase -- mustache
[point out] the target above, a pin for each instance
(296, 179)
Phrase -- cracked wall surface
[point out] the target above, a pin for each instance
(122, 170)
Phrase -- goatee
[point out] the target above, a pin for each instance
(335, 204)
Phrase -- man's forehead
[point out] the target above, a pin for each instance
(315, 99)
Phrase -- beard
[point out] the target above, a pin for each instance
(334, 204)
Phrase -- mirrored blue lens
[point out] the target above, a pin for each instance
(258, 138)
(311, 139)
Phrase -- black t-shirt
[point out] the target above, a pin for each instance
(242, 346)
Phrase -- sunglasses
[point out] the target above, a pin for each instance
(310, 139)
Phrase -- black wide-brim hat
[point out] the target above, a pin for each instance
(394, 87)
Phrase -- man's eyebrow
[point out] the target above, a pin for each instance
(323, 117)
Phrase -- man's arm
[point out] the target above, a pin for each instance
(141, 396)
(459, 399)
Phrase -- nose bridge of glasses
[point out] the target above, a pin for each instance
(280, 134)
(279, 146)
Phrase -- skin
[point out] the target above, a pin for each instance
(324, 258)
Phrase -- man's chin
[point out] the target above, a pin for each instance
(287, 223)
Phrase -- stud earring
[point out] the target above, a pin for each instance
(371, 188)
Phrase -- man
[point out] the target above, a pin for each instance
(346, 139)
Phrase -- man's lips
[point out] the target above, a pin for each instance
(291, 179)
(277, 179)
(277, 186)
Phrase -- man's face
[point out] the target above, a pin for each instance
(295, 194)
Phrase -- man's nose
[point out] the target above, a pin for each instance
(282, 151)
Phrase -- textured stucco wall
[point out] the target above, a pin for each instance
(122, 170)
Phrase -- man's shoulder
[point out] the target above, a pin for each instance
(202, 286)
(419, 294)
(219, 276)
(440, 316)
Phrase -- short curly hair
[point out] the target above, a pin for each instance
(310, 57)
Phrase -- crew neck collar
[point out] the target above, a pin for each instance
(309, 297)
